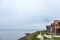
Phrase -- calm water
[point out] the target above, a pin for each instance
(14, 34)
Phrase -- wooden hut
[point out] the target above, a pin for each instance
(54, 28)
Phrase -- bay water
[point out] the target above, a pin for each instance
(14, 34)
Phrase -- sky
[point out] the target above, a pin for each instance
(28, 14)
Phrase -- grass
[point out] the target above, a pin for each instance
(56, 38)
(34, 36)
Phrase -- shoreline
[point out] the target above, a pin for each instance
(32, 36)
(25, 37)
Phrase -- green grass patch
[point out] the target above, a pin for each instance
(34, 36)
(56, 38)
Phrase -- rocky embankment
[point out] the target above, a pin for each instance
(25, 37)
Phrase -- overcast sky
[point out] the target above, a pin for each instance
(28, 14)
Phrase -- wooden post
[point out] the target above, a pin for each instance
(55, 30)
